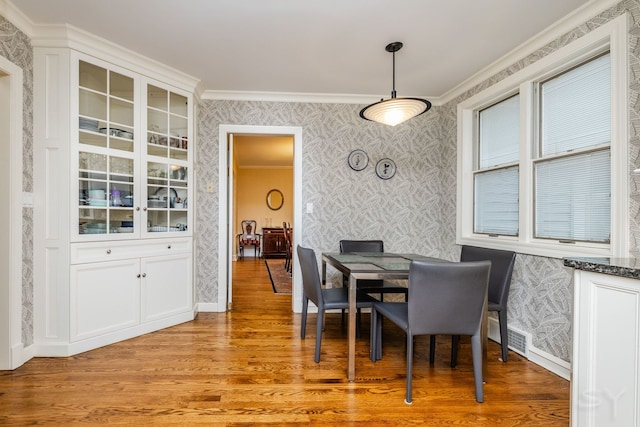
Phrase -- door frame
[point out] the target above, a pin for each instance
(226, 234)
(11, 145)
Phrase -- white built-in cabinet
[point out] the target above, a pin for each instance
(605, 383)
(113, 158)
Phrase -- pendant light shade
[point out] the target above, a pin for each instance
(394, 111)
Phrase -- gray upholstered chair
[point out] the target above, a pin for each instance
(444, 298)
(502, 263)
(379, 287)
(324, 299)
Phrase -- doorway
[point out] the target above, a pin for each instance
(231, 138)
(11, 102)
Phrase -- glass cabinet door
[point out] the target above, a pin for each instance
(167, 153)
(106, 166)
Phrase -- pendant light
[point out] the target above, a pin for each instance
(394, 111)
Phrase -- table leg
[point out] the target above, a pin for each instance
(351, 372)
(324, 272)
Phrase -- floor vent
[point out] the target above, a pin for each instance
(517, 341)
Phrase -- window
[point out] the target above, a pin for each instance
(575, 136)
(542, 155)
(496, 176)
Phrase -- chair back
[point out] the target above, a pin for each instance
(311, 283)
(361, 246)
(447, 298)
(248, 229)
(501, 270)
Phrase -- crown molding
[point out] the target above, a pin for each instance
(546, 36)
(16, 17)
(68, 36)
(320, 98)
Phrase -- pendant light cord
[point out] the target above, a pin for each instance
(393, 91)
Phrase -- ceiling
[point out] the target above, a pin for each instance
(313, 46)
(257, 151)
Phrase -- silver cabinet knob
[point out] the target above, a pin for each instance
(144, 274)
(169, 247)
(108, 251)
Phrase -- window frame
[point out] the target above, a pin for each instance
(611, 37)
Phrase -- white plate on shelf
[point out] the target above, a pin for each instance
(158, 228)
(98, 202)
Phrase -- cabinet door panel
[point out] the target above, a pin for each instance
(105, 297)
(166, 288)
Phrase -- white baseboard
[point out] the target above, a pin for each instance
(208, 307)
(533, 354)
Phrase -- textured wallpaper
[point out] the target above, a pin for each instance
(404, 211)
(414, 211)
(16, 47)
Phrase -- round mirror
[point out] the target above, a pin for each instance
(275, 199)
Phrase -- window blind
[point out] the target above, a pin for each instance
(576, 108)
(573, 192)
(573, 198)
(496, 201)
(499, 133)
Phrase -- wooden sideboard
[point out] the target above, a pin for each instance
(273, 243)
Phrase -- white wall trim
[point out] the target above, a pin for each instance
(321, 98)
(224, 244)
(12, 294)
(64, 35)
(612, 36)
(551, 33)
(16, 17)
(539, 357)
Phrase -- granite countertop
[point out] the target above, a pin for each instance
(624, 267)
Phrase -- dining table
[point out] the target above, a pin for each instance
(378, 266)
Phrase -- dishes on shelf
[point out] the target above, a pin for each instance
(88, 124)
(98, 202)
(116, 132)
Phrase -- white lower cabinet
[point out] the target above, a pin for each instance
(105, 297)
(164, 287)
(118, 296)
(605, 386)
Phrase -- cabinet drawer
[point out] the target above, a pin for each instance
(117, 250)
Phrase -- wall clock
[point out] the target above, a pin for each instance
(358, 160)
(385, 168)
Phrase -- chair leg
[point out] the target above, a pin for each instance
(504, 336)
(476, 351)
(432, 349)
(378, 335)
(319, 328)
(408, 397)
(372, 336)
(303, 321)
(455, 344)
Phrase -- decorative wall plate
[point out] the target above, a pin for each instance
(385, 168)
(358, 160)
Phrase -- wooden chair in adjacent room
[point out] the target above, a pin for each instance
(248, 237)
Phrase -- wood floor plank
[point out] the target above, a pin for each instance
(249, 366)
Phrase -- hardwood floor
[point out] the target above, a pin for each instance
(249, 366)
